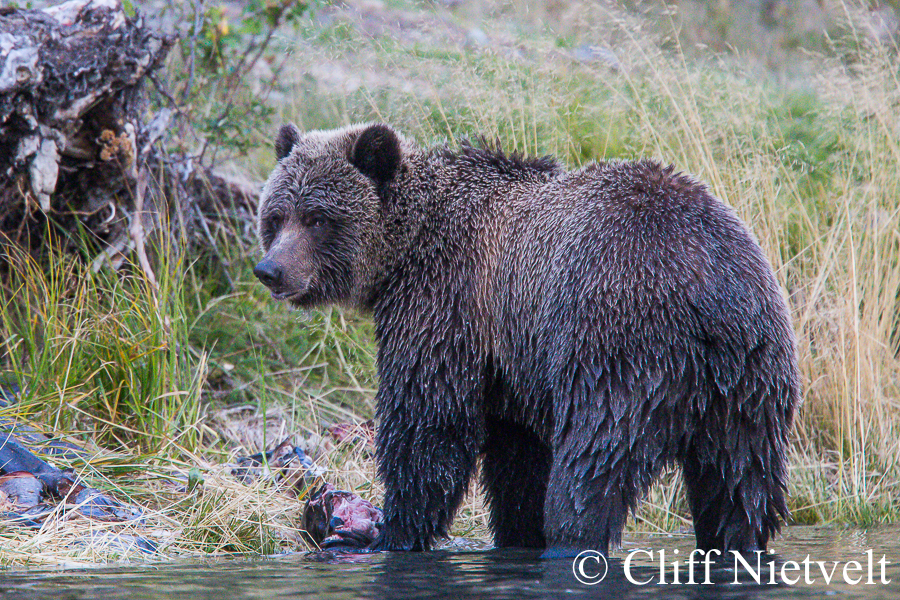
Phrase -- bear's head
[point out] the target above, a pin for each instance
(321, 217)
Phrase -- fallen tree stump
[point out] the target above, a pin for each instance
(78, 148)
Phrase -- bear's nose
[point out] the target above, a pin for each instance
(269, 273)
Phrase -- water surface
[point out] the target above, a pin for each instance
(492, 574)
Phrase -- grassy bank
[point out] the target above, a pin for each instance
(142, 375)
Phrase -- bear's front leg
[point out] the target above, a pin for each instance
(427, 443)
(426, 472)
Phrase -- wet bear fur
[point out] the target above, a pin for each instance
(578, 330)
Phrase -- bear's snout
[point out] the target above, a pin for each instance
(287, 268)
(270, 274)
(283, 280)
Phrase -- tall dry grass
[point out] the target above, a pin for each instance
(133, 374)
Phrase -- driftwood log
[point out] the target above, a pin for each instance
(78, 147)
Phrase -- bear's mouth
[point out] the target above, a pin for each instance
(287, 295)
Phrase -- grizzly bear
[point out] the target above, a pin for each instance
(578, 330)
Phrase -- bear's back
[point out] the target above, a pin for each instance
(632, 251)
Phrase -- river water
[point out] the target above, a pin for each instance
(859, 564)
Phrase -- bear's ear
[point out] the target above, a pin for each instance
(287, 138)
(376, 153)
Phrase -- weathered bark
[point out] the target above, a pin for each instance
(77, 147)
(71, 110)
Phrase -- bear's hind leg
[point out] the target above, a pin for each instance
(741, 515)
(515, 470)
(594, 482)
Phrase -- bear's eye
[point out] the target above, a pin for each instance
(315, 221)
(276, 220)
